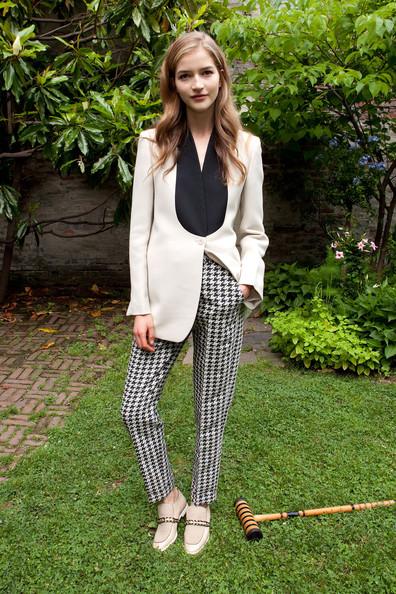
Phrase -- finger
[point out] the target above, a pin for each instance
(149, 347)
(151, 335)
(145, 345)
(137, 340)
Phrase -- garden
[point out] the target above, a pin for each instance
(316, 81)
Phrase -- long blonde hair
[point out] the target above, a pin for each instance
(171, 129)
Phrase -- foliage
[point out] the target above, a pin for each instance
(391, 256)
(285, 286)
(79, 83)
(369, 309)
(374, 312)
(314, 336)
(290, 285)
(343, 172)
(322, 69)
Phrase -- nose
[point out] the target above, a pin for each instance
(197, 82)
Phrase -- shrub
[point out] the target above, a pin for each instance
(316, 337)
(290, 285)
(374, 311)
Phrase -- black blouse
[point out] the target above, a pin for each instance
(201, 196)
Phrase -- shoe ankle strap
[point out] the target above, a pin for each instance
(167, 519)
(198, 523)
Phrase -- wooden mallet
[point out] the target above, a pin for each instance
(250, 522)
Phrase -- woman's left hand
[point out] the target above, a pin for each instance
(246, 289)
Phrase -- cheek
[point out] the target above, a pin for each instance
(216, 85)
(180, 90)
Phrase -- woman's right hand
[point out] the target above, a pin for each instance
(143, 331)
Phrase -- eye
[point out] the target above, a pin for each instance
(183, 76)
(208, 72)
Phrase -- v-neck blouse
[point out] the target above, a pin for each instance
(200, 196)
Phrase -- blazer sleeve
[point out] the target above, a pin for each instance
(252, 240)
(140, 227)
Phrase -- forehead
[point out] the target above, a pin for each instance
(195, 60)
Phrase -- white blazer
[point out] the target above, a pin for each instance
(166, 260)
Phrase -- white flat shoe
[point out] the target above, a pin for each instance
(169, 515)
(196, 533)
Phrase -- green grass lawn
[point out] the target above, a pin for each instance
(75, 518)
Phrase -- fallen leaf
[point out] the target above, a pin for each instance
(7, 317)
(95, 288)
(95, 314)
(107, 308)
(47, 345)
(49, 330)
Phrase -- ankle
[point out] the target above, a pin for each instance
(171, 497)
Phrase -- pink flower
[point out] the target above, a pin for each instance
(339, 255)
(373, 246)
(334, 245)
(361, 245)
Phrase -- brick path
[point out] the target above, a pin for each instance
(39, 381)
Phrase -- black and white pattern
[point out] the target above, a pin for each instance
(217, 337)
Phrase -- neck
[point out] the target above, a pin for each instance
(200, 124)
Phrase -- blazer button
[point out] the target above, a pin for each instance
(201, 241)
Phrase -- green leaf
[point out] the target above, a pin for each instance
(57, 79)
(274, 112)
(102, 106)
(8, 75)
(82, 143)
(203, 8)
(26, 33)
(136, 16)
(390, 351)
(154, 24)
(124, 172)
(103, 162)
(145, 30)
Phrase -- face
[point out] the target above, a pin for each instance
(197, 80)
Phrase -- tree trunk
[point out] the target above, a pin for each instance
(11, 232)
(385, 236)
(380, 217)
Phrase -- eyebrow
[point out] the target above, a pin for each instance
(203, 68)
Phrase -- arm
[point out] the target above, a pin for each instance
(140, 228)
(252, 239)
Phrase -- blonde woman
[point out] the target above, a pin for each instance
(197, 243)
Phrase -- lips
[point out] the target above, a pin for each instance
(198, 96)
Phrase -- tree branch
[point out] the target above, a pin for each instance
(50, 232)
(19, 154)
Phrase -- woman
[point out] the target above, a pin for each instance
(196, 246)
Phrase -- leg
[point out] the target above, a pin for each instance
(146, 376)
(217, 335)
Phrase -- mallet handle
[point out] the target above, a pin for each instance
(323, 510)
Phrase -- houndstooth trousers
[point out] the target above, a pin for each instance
(217, 338)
